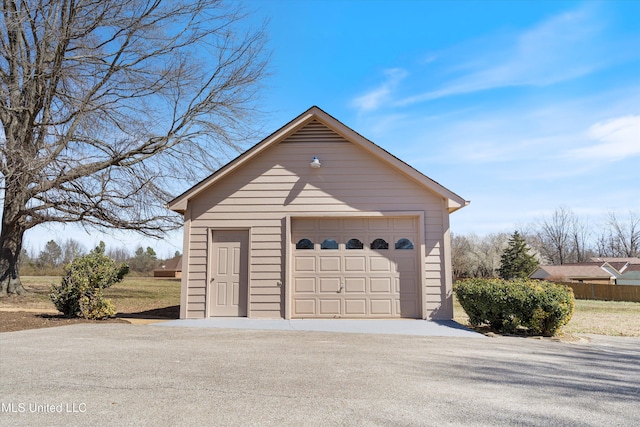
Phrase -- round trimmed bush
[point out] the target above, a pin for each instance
(80, 292)
(511, 306)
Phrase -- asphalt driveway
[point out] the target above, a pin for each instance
(118, 374)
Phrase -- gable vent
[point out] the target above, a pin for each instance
(314, 131)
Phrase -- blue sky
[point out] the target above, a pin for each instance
(519, 107)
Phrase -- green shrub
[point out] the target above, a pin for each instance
(532, 307)
(80, 292)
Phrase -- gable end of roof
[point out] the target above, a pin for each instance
(454, 201)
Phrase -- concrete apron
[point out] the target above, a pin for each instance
(431, 328)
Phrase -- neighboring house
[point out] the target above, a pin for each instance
(631, 276)
(316, 221)
(170, 268)
(576, 273)
(605, 270)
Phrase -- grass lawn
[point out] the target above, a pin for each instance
(150, 297)
(614, 318)
(144, 294)
(132, 295)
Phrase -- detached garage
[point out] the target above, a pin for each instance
(316, 221)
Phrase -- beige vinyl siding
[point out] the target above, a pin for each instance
(184, 282)
(279, 182)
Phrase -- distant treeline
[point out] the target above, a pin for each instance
(51, 259)
(562, 238)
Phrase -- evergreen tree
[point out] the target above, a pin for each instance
(144, 261)
(516, 262)
(51, 256)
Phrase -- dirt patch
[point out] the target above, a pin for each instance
(11, 321)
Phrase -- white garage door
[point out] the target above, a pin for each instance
(355, 268)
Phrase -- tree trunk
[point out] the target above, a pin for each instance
(10, 248)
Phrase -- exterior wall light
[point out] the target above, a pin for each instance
(315, 164)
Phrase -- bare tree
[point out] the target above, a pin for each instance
(487, 253)
(474, 256)
(119, 255)
(580, 234)
(105, 104)
(461, 256)
(562, 238)
(71, 249)
(620, 237)
(554, 236)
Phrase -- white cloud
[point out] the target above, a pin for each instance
(559, 49)
(375, 98)
(520, 140)
(619, 138)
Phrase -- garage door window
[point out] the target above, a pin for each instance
(379, 244)
(404, 244)
(304, 244)
(329, 244)
(354, 244)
